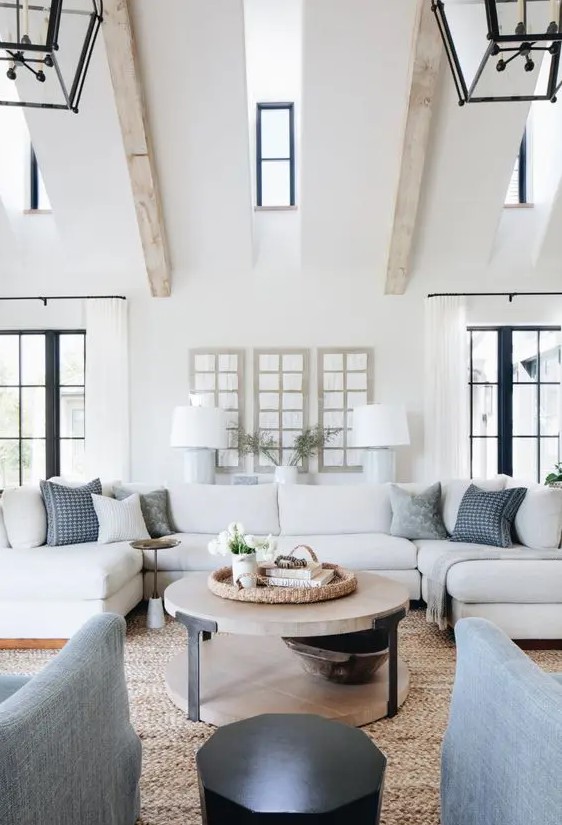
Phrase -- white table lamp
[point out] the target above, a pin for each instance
(200, 431)
(377, 428)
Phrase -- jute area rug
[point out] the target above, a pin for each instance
(411, 741)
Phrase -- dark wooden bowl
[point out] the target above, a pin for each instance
(349, 659)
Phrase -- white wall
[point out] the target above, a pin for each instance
(354, 103)
(273, 37)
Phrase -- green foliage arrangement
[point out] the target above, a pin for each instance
(305, 446)
(556, 475)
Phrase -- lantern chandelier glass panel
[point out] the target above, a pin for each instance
(502, 50)
(45, 51)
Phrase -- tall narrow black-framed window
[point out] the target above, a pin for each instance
(514, 384)
(518, 190)
(38, 198)
(42, 393)
(275, 155)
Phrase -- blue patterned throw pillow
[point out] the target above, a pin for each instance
(486, 517)
(71, 518)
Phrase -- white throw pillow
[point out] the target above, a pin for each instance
(25, 517)
(119, 520)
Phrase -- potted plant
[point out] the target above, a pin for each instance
(244, 549)
(305, 445)
(554, 479)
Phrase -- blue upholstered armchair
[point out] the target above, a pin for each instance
(68, 752)
(502, 753)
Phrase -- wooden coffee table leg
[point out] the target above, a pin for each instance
(390, 624)
(197, 630)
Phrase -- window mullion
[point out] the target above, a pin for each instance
(523, 169)
(20, 418)
(258, 157)
(505, 400)
(52, 391)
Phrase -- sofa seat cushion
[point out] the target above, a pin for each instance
(360, 551)
(496, 581)
(191, 554)
(11, 684)
(429, 551)
(73, 572)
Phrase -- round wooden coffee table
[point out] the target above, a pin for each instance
(250, 670)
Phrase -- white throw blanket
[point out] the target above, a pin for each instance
(437, 579)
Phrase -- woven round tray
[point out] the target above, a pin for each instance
(344, 582)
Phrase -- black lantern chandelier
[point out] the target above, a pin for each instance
(46, 47)
(502, 50)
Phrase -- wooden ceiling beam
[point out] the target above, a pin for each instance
(131, 109)
(427, 49)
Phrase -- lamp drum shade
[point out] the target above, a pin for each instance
(380, 425)
(199, 428)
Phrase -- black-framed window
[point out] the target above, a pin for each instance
(275, 154)
(518, 190)
(42, 393)
(514, 384)
(38, 198)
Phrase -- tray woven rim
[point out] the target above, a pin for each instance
(344, 582)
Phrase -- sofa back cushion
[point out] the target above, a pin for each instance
(4, 540)
(538, 523)
(25, 517)
(106, 486)
(328, 509)
(210, 508)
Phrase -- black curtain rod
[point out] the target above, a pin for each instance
(46, 298)
(510, 295)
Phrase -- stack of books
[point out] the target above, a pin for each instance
(310, 576)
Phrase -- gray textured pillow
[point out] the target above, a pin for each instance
(71, 518)
(154, 506)
(417, 516)
(487, 518)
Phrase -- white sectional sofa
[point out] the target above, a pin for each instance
(48, 592)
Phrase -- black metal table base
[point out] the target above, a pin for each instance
(200, 630)
(390, 625)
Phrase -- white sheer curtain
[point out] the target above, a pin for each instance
(446, 389)
(107, 389)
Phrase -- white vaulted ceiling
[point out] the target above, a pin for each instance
(355, 89)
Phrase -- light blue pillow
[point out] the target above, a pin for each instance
(154, 506)
(417, 516)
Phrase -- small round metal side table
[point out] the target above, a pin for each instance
(155, 615)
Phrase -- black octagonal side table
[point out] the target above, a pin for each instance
(278, 768)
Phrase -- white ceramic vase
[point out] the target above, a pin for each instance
(286, 475)
(244, 568)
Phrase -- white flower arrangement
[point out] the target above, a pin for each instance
(235, 540)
